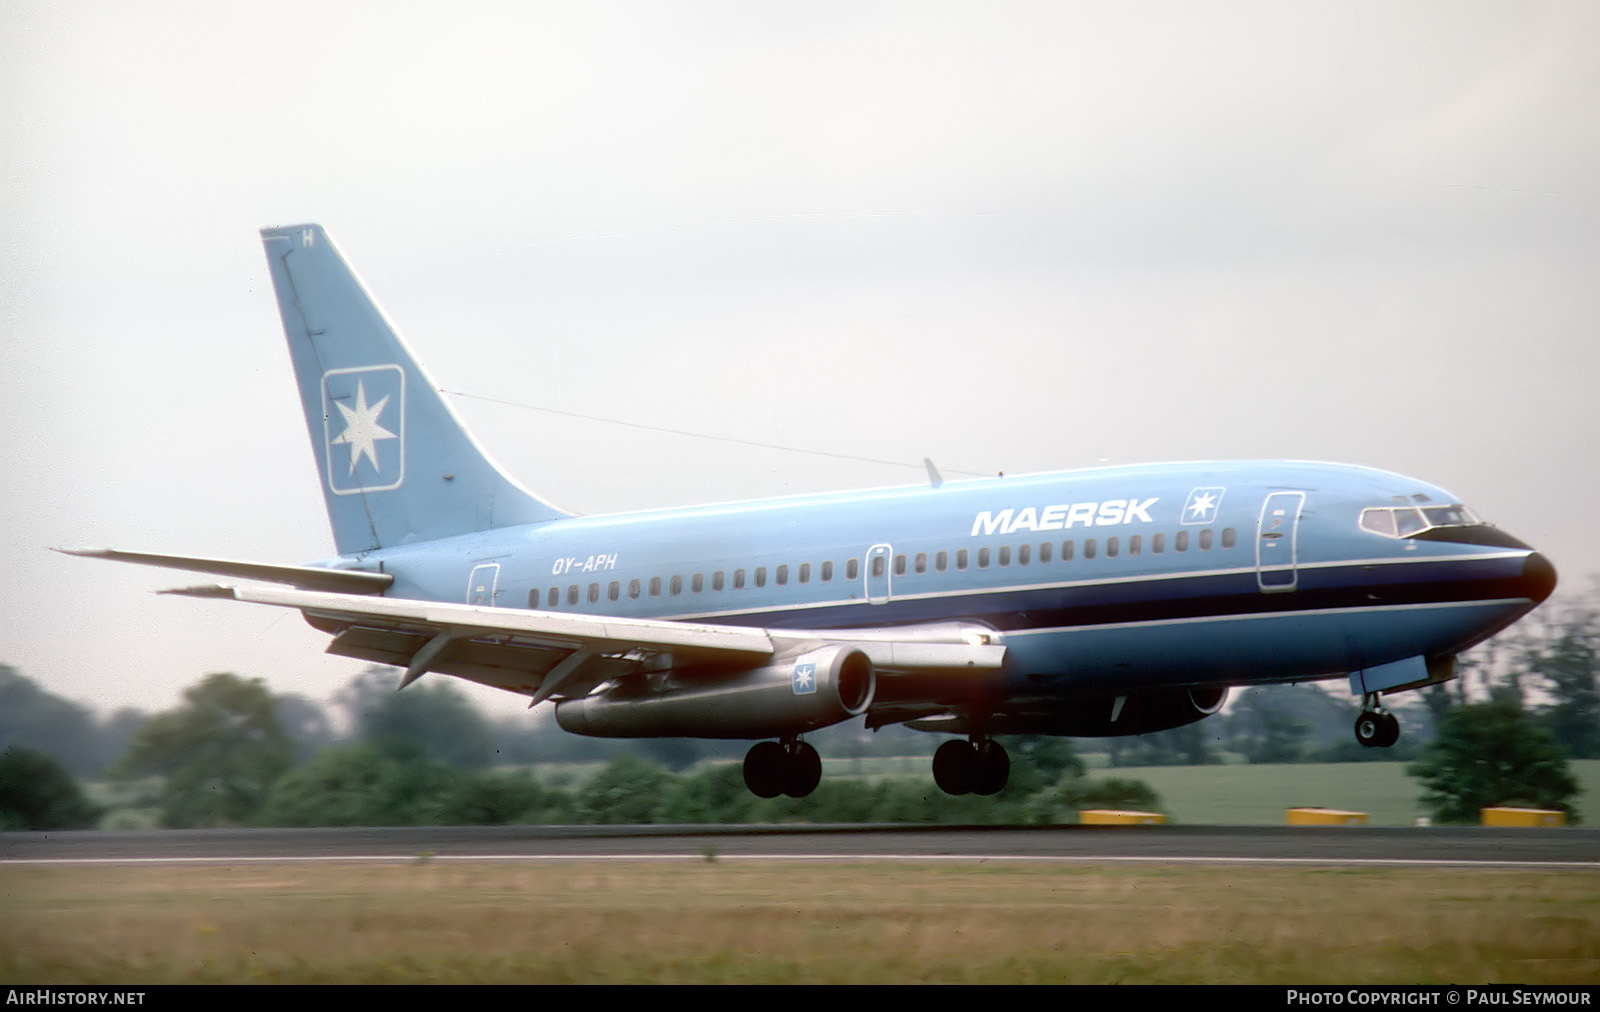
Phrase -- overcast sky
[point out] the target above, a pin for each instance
(1017, 237)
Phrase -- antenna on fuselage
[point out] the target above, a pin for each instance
(934, 477)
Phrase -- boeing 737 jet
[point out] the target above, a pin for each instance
(1111, 601)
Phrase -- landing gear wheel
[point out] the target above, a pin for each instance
(764, 769)
(1369, 728)
(1377, 730)
(991, 768)
(953, 767)
(802, 770)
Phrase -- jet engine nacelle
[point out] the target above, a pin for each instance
(814, 689)
(1137, 712)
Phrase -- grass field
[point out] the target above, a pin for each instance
(735, 922)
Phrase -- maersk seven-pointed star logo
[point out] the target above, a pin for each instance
(805, 679)
(1201, 506)
(363, 415)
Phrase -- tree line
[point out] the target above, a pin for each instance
(425, 756)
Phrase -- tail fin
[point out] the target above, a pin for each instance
(394, 462)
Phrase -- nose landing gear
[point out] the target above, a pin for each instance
(1376, 727)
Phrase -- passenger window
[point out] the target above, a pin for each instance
(761, 576)
(1181, 543)
(572, 594)
(899, 565)
(1005, 555)
(1134, 544)
(1205, 539)
(1066, 551)
(827, 572)
(1088, 548)
(1111, 548)
(676, 587)
(852, 569)
(961, 559)
(920, 564)
(805, 572)
(1044, 551)
(738, 579)
(877, 565)
(633, 590)
(655, 586)
(594, 593)
(717, 582)
(1228, 537)
(983, 558)
(941, 561)
(1158, 543)
(1024, 553)
(614, 592)
(783, 576)
(698, 583)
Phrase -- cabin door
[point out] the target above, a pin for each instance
(483, 582)
(877, 574)
(1276, 536)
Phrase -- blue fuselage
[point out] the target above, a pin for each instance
(1096, 580)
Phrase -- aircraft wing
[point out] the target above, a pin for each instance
(543, 654)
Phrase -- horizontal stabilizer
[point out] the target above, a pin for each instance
(339, 581)
(612, 634)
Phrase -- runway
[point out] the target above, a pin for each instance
(1575, 849)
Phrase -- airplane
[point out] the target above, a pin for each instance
(1102, 602)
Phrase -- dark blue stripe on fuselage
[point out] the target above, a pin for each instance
(1177, 597)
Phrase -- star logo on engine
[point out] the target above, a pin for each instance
(805, 679)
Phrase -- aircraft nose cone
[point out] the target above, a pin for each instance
(1538, 577)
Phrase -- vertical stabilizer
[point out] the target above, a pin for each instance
(394, 462)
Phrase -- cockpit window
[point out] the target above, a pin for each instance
(1378, 522)
(1407, 521)
(1450, 516)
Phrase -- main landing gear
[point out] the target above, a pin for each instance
(980, 766)
(789, 767)
(1376, 727)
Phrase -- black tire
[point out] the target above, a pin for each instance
(991, 768)
(953, 766)
(802, 770)
(764, 766)
(1391, 731)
